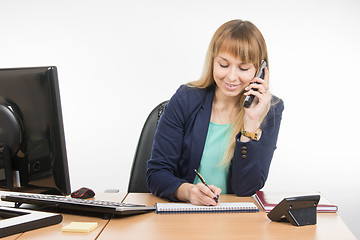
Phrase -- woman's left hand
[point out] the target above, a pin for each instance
(260, 103)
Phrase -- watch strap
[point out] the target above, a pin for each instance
(254, 136)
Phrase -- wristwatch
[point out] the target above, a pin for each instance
(255, 136)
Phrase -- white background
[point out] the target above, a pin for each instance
(118, 59)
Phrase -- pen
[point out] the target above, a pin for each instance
(203, 181)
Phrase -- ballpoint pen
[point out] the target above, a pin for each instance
(203, 181)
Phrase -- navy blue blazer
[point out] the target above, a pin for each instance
(180, 139)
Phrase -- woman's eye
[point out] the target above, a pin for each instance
(223, 66)
(244, 69)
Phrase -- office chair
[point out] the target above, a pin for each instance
(137, 182)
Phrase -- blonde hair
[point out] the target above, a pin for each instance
(243, 40)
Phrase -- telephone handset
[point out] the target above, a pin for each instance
(249, 99)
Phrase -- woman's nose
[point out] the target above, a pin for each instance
(232, 74)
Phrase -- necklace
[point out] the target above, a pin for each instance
(231, 115)
(218, 113)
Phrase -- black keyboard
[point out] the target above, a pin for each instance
(105, 208)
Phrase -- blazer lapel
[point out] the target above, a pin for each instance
(200, 129)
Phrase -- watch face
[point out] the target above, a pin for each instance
(258, 134)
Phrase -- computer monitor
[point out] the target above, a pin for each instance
(32, 142)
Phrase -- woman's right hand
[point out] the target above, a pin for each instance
(198, 194)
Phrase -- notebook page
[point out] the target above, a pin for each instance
(221, 207)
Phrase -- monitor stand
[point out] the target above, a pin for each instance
(6, 180)
(15, 220)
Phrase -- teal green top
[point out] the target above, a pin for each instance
(210, 167)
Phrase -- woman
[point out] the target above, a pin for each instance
(205, 126)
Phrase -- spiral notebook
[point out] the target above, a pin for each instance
(221, 207)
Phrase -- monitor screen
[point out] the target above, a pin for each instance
(32, 142)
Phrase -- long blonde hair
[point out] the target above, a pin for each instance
(243, 40)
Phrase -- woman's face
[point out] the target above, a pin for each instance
(231, 75)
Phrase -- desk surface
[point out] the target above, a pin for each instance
(188, 226)
(54, 232)
(218, 225)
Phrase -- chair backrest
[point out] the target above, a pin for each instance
(137, 182)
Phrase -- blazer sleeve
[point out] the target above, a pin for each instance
(162, 167)
(250, 166)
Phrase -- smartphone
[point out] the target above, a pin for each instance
(249, 99)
